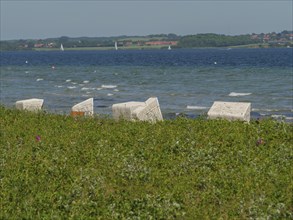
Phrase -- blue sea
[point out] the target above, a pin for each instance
(186, 81)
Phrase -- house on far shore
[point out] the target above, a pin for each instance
(39, 45)
(266, 38)
(161, 43)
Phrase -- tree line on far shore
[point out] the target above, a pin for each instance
(216, 40)
(283, 38)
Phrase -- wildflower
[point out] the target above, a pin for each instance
(38, 138)
(260, 141)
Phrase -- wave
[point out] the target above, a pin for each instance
(87, 88)
(109, 86)
(271, 110)
(40, 79)
(68, 80)
(194, 107)
(71, 87)
(86, 81)
(282, 117)
(109, 94)
(235, 94)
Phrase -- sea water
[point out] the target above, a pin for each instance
(185, 81)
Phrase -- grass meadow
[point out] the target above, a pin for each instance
(60, 167)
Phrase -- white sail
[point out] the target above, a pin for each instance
(61, 48)
(116, 47)
(169, 48)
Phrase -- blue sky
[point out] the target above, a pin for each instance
(22, 19)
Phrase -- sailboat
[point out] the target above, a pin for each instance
(116, 47)
(61, 47)
(169, 48)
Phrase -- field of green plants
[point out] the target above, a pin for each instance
(60, 167)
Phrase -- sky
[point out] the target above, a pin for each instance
(40, 19)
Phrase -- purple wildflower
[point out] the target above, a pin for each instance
(38, 138)
(260, 141)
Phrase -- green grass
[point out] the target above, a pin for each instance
(75, 48)
(259, 45)
(134, 47)
(96, 168)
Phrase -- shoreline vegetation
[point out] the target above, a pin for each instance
(159, 41)
(59, 167)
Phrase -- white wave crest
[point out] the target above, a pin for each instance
(87, 88)
(40, 79)
(282, 117)
(71, 87)
(109, 86)
(271, 110)
(68, 80)
(86, 81)
(194, 107)
(234, 94)
(109, 94)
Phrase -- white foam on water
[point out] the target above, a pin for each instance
(58, 86)
(99, 88)
(109, 94)
(277, 116)
(116, 90)
(86, 81)
(40, 79)
(235, 94)
(26, 71)
(270, 110)
(71, 87)
(194, 107)
(109, 86)
(87, 88)
(74, 83)
(68, 80)
(282, 117)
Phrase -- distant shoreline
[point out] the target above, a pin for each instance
(249, 46)
(160, 41)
